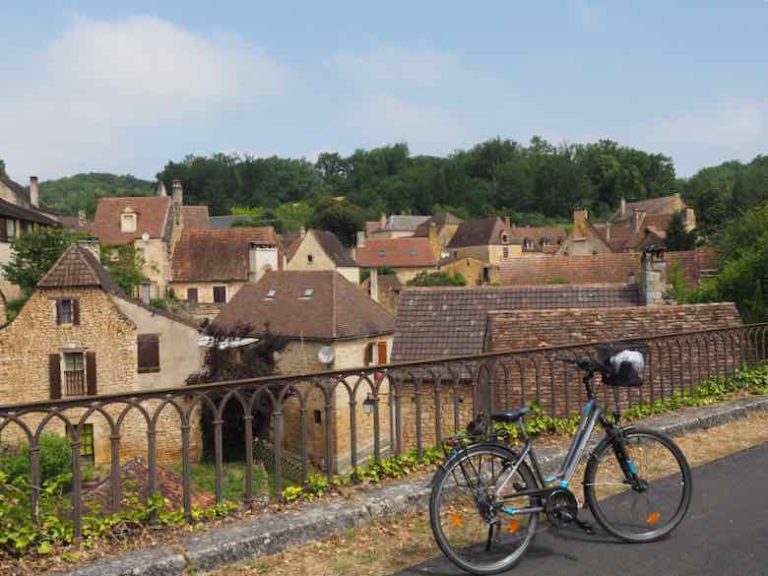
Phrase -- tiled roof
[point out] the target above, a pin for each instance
(434, 322)
(22, 213)
(333, 247)
(77, 268)
(224, 222)
(483, 232)
(153, 218)
(544, 238)
(15, 187)
(196, 217)
(439, 220)
(611, 268)
(312, 305)
(404, 222)
(523, 329)
(664, 205)
(76, 224)
(694, 264)
(396, 253)
(217, 255)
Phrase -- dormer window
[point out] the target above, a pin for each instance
(270, 294)
(308, 293)
(412, 252)
(382, 253)
(128, 222)
(545, 242)
(310, 258)
(527, 244)
(504, 238)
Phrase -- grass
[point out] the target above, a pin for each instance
(203, 476)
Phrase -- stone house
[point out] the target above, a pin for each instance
(321, 250)
(488, 240)
(208, 267)
(408, 257)
(476, 272)
(20, 211)
(320, 311)
(393, 226)
(152, 225)
(440, 228)
(79, 335)
(634, 227)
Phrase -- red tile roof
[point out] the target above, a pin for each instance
(485, 232)
(153, 218)
(196, 217)
(396, 253)
(543, 269)
(312, 305)
(543, 238)
(217, 255)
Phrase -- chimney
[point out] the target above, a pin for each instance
(374, 284)
(639, 217)
(653, 278)
(383, 221)
(178, 192)
(302, 232)
(34, 192)
(161, 191)
(360, 238)
(690, 219)
(607, 230)
(580, 218)
(623, 207)
(82, 221)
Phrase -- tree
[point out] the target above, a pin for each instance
(340, 217)
(441, 278)
(678, 238)
(125, 265)
(33, 254)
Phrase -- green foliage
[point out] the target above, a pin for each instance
(13, 307)
(33, 254)
(55, 459)
(441, 278)
(558, 280)
(340, 217)
(82, 191)
(125, 264)
(678, 238)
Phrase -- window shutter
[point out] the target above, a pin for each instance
(368, 354)
(76, 312)
(382, 352)
(54, 372)
(90, 373)
(149, 353)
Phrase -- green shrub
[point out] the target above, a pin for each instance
(55, 459)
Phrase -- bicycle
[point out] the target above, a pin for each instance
(487, 497)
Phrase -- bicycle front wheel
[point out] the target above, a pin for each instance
(478, 522)
(651, 510)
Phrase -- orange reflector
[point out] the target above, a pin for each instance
(653, 518)
(513, 527)
(456, 519)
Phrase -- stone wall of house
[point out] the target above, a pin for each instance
(157, 265)
(404, 275)
(27, 342)
(473, 271)
(205, 290)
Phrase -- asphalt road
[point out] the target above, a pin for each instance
(724, 534)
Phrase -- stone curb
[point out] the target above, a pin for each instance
(276, 532)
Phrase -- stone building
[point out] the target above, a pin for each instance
(20, 211)
(488, 240)
(321, 250)
(208, 267)
(320, 311)
(151, 225)
(407, 257)
(79, 335)
(440, 228)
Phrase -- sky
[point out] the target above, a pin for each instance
(125, 87)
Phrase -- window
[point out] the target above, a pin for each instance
(527, 244)
(85, 431)
(10, 229)
(220, 294)
(318, 417)
(382, 253)
(128, 222)
(375, 353)
(192, 295)
(145, 291)
(505, 252)
(67, 311)
(546, 242)
(270, 294)
(308, 292)
(504, 238)
(149, 353)
(74, 374)
(310, 258)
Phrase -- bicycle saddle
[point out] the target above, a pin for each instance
(511, 416)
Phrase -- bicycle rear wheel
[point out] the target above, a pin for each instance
(651, 511)
(476, 530)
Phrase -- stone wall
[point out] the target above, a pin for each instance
(205, 290)
(473, 271)
(157, 266)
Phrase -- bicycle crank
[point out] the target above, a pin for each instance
(562, 509)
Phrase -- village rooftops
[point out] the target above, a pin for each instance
(439, 220)
(217, 255)
(152, 217)
(435, 322)
(396, 253)
(320, 306)
(484, 232)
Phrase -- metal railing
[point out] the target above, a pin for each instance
(335, 419)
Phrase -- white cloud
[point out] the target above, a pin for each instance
(101, 79)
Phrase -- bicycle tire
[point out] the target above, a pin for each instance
(449, 515)
(637, 516)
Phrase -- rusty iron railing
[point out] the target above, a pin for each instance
(336, 419)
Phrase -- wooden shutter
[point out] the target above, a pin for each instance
(149, 353)
(75, 312)
(382, 352)
(90, 373)
(54, 375)
(368, 359)
(192, 295)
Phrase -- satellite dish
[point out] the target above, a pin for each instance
(326, 354)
